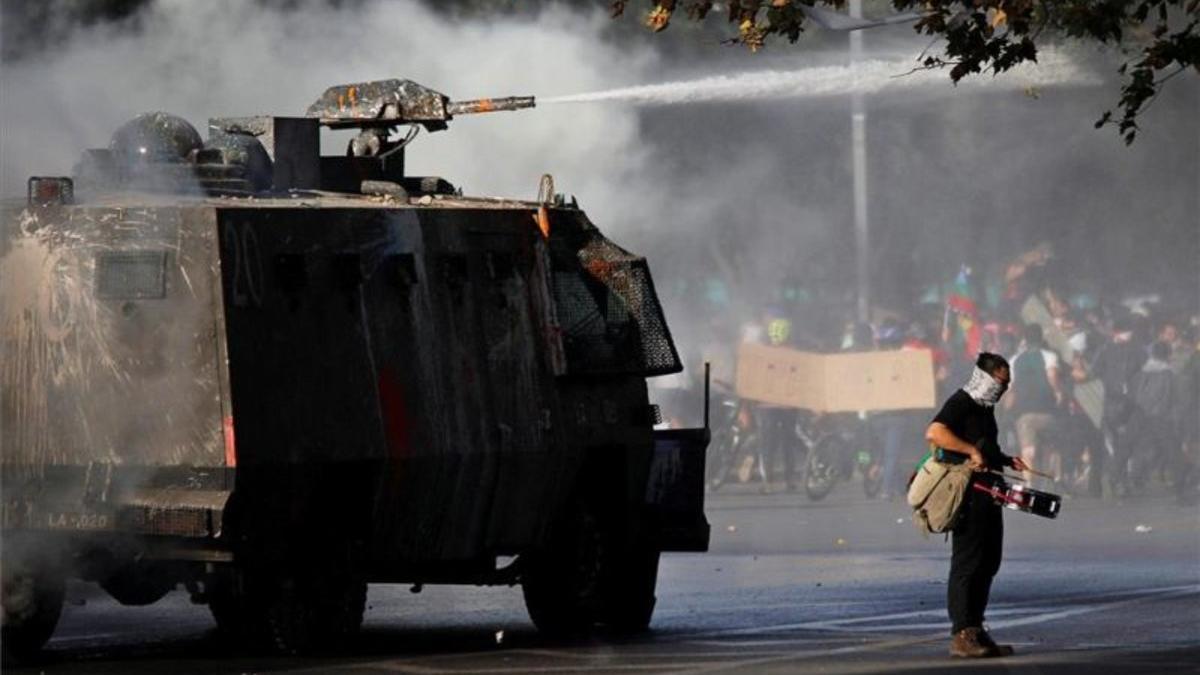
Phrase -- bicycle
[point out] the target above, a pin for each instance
(836, 449)
(735, 443)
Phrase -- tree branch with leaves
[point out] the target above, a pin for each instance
(1161, 38)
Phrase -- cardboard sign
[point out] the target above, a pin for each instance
(870, 381)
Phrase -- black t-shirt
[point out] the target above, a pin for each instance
(975, 424)
(1117, 364)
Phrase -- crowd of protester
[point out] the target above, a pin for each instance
(1105, 393)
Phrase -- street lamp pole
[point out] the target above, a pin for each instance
(858, 117)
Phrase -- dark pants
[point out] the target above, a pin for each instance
(977, 541)
(1118, 410)
(779, 438)
(1076, 434)
(1157, 445)
(1088, 436)
(898, 434)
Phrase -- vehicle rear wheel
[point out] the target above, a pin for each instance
(289, 617)
(310, 615)
(288, 613)
(821, 469)
(226, 601)
(344, 607)
(33, 589)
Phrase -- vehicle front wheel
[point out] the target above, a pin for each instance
(590, 574)
(561, 582)
(629, 597)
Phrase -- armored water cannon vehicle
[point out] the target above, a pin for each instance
(269, 377)
(164, 153)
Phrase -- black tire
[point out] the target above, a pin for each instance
(287, 618)
(590, 575)
(629, 597)
(138, 584)
(33, 590)
(562, 582)
(286, 613)
(226, 602)
(344, 609)
(716, 466)
(821, 471)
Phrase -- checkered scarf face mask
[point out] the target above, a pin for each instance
(983, 388)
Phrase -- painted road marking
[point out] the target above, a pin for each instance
(1143, 596)
(853, 624)
(591, 659)
(824, 639)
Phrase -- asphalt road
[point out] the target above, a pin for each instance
(840, 586)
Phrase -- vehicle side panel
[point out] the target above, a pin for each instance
(110, 382)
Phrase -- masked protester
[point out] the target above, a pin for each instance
(966, 427)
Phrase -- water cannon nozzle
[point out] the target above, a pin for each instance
(486, 105)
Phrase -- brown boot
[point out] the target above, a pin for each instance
(997, 649)
(967, 644)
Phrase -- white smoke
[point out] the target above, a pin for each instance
(225, 57)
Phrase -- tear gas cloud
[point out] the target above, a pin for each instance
(739, 191)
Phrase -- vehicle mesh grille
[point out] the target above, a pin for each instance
(611, 319)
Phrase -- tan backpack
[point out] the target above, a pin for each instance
(936, 494)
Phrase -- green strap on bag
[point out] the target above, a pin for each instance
(924, 458)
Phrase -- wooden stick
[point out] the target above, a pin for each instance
(1017, 476)
(1043, 475)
